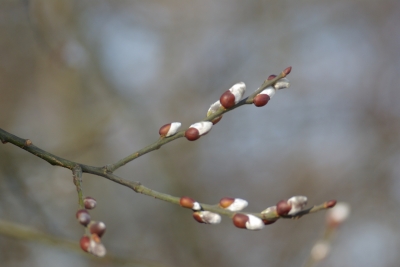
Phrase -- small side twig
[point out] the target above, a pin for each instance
(77, 178)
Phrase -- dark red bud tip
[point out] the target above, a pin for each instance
(271, 77)
(164, 129)
(85, 243)
(80, 212)
(261, 100)
(226, 202)
(266, 222)
(240, 220)
(83, 217)
(283, 207)
(192, 134)
(4, 141)
(227, 99)
(89, 202)
(186, 202)
(97, 228)
(330, 204)
(197, 217)
(287, 70)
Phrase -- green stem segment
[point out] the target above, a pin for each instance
(77, 177)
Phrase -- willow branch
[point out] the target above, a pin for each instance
(27, 145)
(162, 141)
(107, 171)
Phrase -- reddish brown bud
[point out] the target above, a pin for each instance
(247, 221)
(226, 202)
(189, 203)
(283, 207)
(164, 129)
(4, 141)
(240, 220)
(186, 202)
(261, 100)
(197, 217)
(169, 129)
(83, 217)
(287, 70)
(198, 129)
(233, 204)
(207, 217)
(271, 77)
(213, 109)
(89, 202)
(227, 99)
(192, 134)
(85, 243)
(97, 228)
(330, 204)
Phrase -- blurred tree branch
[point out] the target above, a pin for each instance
(23, 232)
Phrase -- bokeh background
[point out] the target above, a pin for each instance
(92, 81)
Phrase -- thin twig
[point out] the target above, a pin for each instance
(77, 177)
(162, 141)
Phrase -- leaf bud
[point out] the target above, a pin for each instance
(268, 212)
(83, 217)
(287, 71)
(247, 221)
(85, 243)
(207, 217)
(169, 129)
(330, 204)
(233, 204)
(297, 203)
(261, 100)
(89, 203)
(97, 228)
(198, 129)
(283, 207)
(189, 203)
(214, 108)
(96, 247)
(232, 96)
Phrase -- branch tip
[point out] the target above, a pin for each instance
(287, 71)
(330, 204)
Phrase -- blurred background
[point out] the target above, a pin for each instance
(92, 81)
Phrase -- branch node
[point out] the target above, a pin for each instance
(77, 178)
(109, 168)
